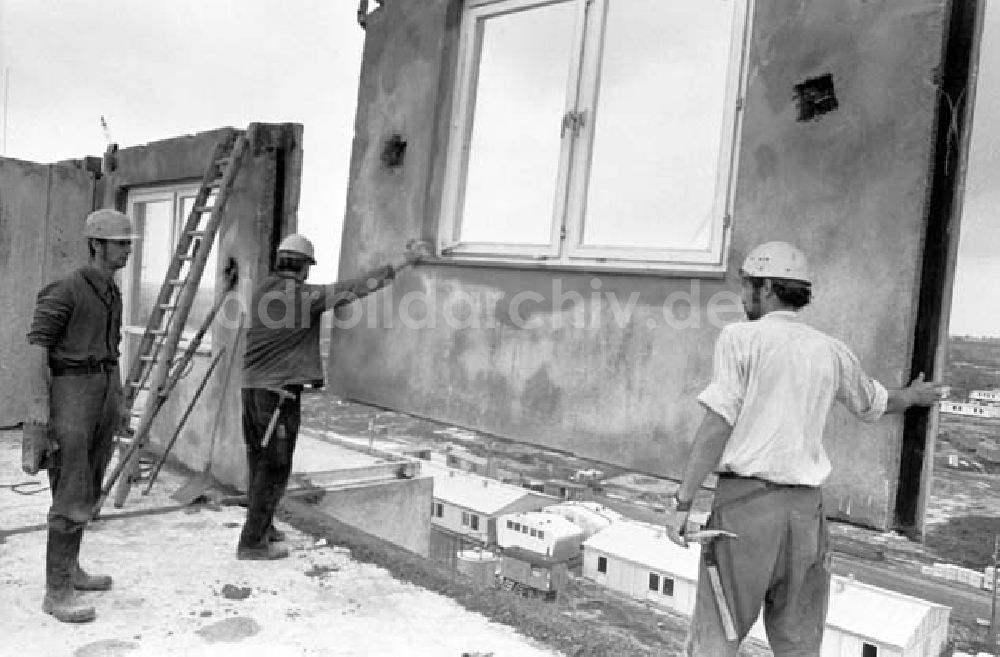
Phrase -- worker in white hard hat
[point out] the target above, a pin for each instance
(76, 403)
(774, 380)
(282, 357)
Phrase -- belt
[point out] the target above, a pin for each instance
(768, 484)
(82, 370)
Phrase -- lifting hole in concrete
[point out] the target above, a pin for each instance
(815, 97)
(393, 152)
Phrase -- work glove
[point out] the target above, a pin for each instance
(37, 446)
(416, 250)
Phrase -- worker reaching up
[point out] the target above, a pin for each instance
(282, 356)
(76, 403)
(774, 380)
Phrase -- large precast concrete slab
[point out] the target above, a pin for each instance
(835, 153)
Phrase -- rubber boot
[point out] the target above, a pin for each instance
(255, 543)
(275, 535)
(82, 581)
(266, 552)
(60, 601)
(85, 582)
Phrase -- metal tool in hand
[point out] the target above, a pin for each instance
(706, 535)
(708, 538)
(283, 396)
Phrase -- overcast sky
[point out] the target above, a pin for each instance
(157, 69)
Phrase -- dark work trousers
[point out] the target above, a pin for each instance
(84, 412)
(268, 469)
(779, 563)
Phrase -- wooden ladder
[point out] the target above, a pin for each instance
(154, 368)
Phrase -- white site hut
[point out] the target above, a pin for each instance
(868, 621)
(638, 559)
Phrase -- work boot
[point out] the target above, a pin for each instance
(60, 564)
(267, 552)
(84, 582)
(275, 535)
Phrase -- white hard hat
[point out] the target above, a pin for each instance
(109, 225)
(777, 260)
(299, 244)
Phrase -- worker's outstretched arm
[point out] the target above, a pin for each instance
(918, 393)
(709, 443)
(353, 289)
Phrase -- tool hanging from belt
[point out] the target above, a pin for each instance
(283, 396)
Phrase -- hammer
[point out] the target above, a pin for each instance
(708, 537)
(283, 396)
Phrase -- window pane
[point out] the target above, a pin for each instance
(206, 289)
(654, 582)
(668, 586)
(659, 124)
(154, 220)
(602, 564)
(515, 143)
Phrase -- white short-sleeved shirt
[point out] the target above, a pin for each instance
(774, 381)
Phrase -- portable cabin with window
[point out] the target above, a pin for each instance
(468, 504)
(541, 532)
(638, 559)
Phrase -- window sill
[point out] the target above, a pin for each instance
(586, 265)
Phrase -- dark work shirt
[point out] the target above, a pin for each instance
(79, 319)
(284, 324)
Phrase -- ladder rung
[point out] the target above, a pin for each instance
(139, 385)
(186, 256)
(177, 281)
(223, 161)
(157, 332)
(203, 208)
(148, 359)
(197, 233)
(166, 306)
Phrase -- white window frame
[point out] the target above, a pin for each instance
(173, 194)
(565, 249)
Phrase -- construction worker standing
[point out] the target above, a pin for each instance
(76, 402)
(282, 356)
(774, 381)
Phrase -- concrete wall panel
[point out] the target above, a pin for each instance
(262, 205)
(42, 212)
(395, 510)
(849, 187)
